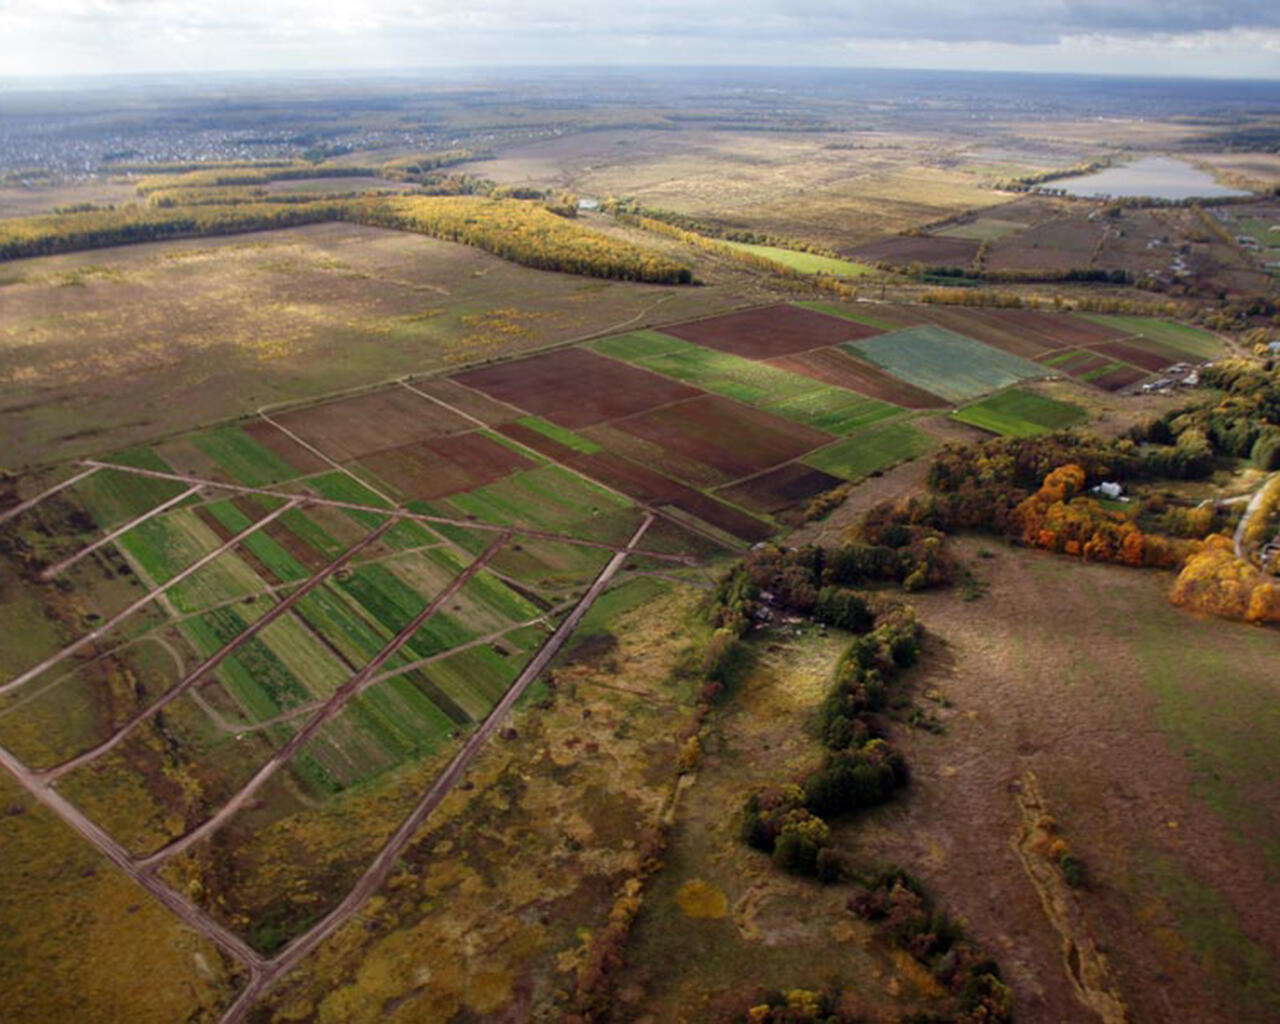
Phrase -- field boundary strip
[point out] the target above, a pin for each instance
(22, 506)
(216, 659)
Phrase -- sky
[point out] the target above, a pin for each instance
(1209, 38)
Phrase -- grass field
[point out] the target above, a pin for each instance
(805, 262)
(1019, 413)
(1191, 341)
(244, 459)
(985, 229)
(944, 362)
(858, 314)
(871, 449)
(155, 338)
(554, 431)
(789, 395)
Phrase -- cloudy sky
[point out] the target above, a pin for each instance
(1221, 38)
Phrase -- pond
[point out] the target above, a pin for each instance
(1155, 177)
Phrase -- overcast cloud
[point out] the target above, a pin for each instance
(1197, 37)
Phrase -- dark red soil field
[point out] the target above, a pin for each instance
(468, 400)
(733, 438)
(781, 488)
(771, 331)
(575, 388)
(835, 366)
(1118, 379)
(930, 250)
(351, 428)
(276, 440)
(1149, 358)
(645, 485)
(1083, 361)
(444, 465)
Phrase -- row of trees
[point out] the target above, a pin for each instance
(521, 231)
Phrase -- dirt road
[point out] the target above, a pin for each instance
(382, 864)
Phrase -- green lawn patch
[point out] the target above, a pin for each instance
(871, 449)
(1019, 413)
(944, 362)
(804, 262)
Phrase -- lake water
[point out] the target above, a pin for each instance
(1155, 177)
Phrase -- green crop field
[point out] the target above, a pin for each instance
(638, 345)
(790, 395)
(1018, 413)
(871, 449)
(857, 315)
(1190, 342)
(286, 568)
(112, 497)
(985, 229)
(804, 262)
(559, 434)
(944, 362)
(244, 460)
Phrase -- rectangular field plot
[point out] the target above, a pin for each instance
(946, 363)
(1118, 380)
(1019, 413)
(1148, 355)
(872, 449)
(867, 314)
(931, 250)
(804, 262)
(443, 466)
(242, 459)
(1187, 343)
(781, 488)
(575, 387)
(791, 395)
(845, 370)
(350, 428)
(112, 497)
(985, 229)
(734, 439)
(770, 332)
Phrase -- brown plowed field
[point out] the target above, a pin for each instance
(575, 388)
(733, 438)
(697, 475)
(930, 250)
(645, 485)
(351, 428)
(835, 366)
(1137, 354)
(781, 488)
(277, 441)
(468, 400)
(1056, 245)
(771, 331)
(1118, 379)
(444, 465)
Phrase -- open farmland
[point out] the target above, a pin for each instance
(766, 385)
(805, 262)
(1188, 342)
(842, 368)
(1020, 413)
(104, 349)
(871, 450)
(945, 363)
(769, 332)
(929, 250)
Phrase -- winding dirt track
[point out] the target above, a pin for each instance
(383, 863)
(213, 661)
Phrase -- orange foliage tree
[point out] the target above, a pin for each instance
(1215, 581)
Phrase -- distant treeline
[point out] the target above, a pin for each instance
(517, 230)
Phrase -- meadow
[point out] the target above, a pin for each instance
(1020, 413)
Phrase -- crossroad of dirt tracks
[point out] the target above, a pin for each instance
(264, 973)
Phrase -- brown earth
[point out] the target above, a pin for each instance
(781, 488)
(351, 428)
(843, 369)
(733, 438)
(930, 250)
(1136, 354)
(574, 387)
(770, 332)
(445, 465)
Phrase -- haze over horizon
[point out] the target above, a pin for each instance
(1239, 39)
